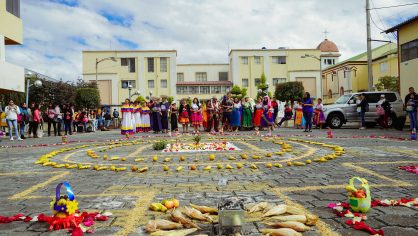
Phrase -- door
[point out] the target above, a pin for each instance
(350, 109)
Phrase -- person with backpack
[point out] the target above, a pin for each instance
(362, 108)
(24, 119)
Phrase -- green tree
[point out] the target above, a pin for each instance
(390, 83)
(239, 92)
(289, 91)
(140, 99)
(170, 99)
(87, 98)
(262, 87)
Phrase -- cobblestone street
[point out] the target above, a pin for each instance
(374, 154)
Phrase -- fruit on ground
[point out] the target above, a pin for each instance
(269, 155)
(134, 168)
(212, 157)
(180, 168)
(308, 161)
(244, 156)
(289, 163)
(169, 204)
(193, 167)
(176, 203)
(220, 166)
(269, 165)
(182, 158)
(240, 165)
(154, 158)
(166, 168)
(278, 165)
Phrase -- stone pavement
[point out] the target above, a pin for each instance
(27, 188)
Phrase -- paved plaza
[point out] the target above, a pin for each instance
(373, 154)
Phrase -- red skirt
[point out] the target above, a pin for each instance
(257, 117)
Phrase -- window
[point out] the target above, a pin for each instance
(223, 76)
(333, 61)
(150, 61)
(278, 81)
(279, 60)
(126, 83)
(13, 7)
(244, 60)
(201, 77)
(244, 82)
(124, 61)
(257, 81)
(180, 77)
(182, 90)
(257, 60)
(131, 62)
(409, 51)
(163, 64)
(193, 89)
(204, 90)
(215, 89)
(346, 73)
(372, 97)
(391, 97)
(383, 67)
(150, 83)
(329, 61)
(163, 83)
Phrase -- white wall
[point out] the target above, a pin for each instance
(190, 70)
(12, 77)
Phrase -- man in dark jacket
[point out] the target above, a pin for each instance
(362, 107)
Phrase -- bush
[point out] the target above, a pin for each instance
(160, 145)
(289, 91)
(87, 98)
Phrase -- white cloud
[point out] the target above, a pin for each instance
(201, 30)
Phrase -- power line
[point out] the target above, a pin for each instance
(383, 24)
(401, 5)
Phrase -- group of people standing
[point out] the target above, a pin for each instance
(232, 113)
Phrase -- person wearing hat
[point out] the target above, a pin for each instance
(173, 116)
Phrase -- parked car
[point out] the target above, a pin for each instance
(345, 109)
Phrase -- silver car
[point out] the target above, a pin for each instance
(345, 109)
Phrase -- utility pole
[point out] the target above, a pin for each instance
(369, 49)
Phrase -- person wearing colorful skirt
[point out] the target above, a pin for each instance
(145, 118)
(204, 116)
(319, 117)
(258, 113)
(196, 110)
(173, 117)
(247, 117)
(127, 113)
(137, 116)
(298, 114)
(184, 114)
(165, 106)
(236, 115)
(156, 117)
(267, 119)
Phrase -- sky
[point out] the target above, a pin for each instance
(202, 31)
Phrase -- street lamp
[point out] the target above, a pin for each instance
(103, 59)
(130, 88)
(37, 83)
(136, 93)
(320, 68)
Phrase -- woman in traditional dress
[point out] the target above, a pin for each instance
(267, 119)
(319, 117)
(236, 115)
(137, 116)
(127, 110)
(184, 114)
(298, 114)
(258, 112)
(145, 118)
(165, 106)
(204, 116)
(247, 116)
(173, 116)
(196, 110)
(156, 116)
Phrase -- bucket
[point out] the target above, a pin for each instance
(360, 204)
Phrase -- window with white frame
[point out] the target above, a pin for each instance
(278, 81)
(383, 67)
(193, 89)
(257, 59)
(127, 83)
(279, 60)
(244, 60)
(201, 77)
(181, 89)
(215, 89)
(163, 83)
(163, 64)
(150, 83)
(150, 62)
(204, 90)
(180, 77)
(223, 76)
(245, 82)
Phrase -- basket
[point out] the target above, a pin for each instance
(360, 204)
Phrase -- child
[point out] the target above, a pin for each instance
(319, 117)
(287, 114)
(298, 114)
